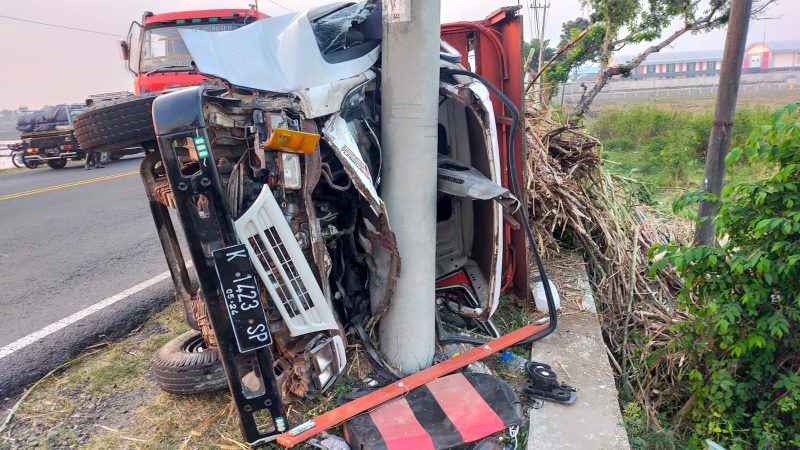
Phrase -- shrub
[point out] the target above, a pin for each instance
(743, 342)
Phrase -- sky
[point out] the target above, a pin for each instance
(44, 65)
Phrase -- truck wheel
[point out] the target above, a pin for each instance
(186, 366)
(116, 124)
(57, 163)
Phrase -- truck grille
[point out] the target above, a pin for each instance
(283, 268)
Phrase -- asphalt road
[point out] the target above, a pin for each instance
(70, 238)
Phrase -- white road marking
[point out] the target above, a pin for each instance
(69, 320)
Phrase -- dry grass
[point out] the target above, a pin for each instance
(109, 400)
(575, 202)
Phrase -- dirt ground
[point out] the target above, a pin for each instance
(107, 398)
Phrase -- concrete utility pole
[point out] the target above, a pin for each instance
(409, 116)
(540, 19)
(720, 141)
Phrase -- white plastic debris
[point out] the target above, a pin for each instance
(541, 299)
(329, 442)
(479, 367)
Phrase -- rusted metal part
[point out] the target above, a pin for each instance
(297, 369)
(163, 193)
(383, 262)
(312, 171)
(203, 322)
(401, 387)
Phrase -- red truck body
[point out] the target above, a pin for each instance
(161, 60)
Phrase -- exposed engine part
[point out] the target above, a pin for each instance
(241, 189)
(331, 231)
(326, 174)
(326, 213)
(203, 322)
(302, 239)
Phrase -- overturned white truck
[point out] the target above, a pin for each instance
(274, 169)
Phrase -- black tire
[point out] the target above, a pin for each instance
(116, 124)
(18, 159)
(57, 163)
(185, 366)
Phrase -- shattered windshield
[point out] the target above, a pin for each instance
(344, 28)
(163, 48)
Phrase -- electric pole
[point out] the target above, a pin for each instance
(409, 129)
(722, 128)
(540, 22)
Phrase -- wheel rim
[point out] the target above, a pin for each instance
(195, 345)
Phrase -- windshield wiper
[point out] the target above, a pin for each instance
(188, 69)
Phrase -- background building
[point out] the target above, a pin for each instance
(759, 57)
(772, 55)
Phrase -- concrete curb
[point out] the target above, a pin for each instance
(577, 353)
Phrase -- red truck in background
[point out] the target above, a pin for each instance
(156, 54)
(159, 60)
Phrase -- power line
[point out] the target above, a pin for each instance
(65, 27)
(60, 26)
(276, 3)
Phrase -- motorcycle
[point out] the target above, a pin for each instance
(17, 154)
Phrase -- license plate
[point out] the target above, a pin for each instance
(242, 298)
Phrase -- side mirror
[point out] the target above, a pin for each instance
(132, 40)
(125, 50)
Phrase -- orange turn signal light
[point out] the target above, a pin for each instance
(292, 141)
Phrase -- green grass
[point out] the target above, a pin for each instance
(665, 147)
(701, 104)
(642, 436)
(13, 170)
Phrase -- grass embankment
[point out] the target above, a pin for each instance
(107, 397)
(702, 103)
(665, 148)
